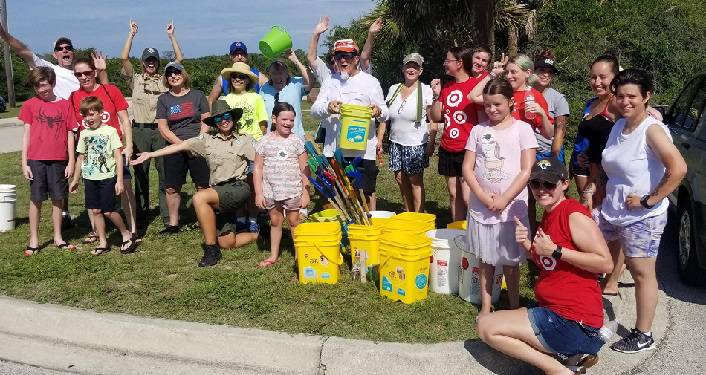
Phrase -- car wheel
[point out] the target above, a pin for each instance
(687, 263)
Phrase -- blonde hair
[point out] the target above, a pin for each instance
(525, 63)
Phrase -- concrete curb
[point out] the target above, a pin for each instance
(81, 341)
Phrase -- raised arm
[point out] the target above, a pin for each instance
(302, 69)
(367, 51)
(319, 29)
(101, 66)
(128, 70)
(476, 95)
(20, 48)
(178, 56)
(215, 91)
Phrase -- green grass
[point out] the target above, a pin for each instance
(162, 280)
(11, 111)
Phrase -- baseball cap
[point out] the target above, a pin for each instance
(413, 57)
(63, 40)
(174, 65)
(550, 170)
(545, 63)
(150, 52)
(238, 46)
(345, 45)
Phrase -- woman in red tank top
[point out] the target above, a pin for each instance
(570, 252)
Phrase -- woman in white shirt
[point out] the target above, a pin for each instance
(409, 103)
(643, 167)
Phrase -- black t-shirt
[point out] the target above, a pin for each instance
(596, 130)
(183, 113)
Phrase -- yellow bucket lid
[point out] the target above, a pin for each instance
(406, 240)
(318, 229)
(364, 229)
(416, 216)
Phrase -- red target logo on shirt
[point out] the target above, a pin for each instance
(105, 117)
(460, 117)
(548, 263)
(454, 133)
(454, 99)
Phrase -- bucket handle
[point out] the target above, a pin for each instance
(338, 263)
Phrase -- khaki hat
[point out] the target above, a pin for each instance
(413, 57)
(220, 107)
(242, 68)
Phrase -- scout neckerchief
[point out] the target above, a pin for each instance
(419, 99)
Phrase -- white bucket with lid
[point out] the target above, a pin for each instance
(8, 198)
(447, 246)
(469, 279)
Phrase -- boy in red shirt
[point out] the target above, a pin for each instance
(47, 153)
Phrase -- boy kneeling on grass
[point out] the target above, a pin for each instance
(99, 149)
(47, 154)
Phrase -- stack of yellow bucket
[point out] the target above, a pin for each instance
(404, 266)
(410, 222)
(318, 248)
(364, 240)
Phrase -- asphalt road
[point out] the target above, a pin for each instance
(10, 368)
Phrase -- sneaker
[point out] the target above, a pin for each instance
(211, 255)
(66, 222)
(635, 342)
(170, 229)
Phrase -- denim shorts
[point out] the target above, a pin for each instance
(640, 239)
(563, 336)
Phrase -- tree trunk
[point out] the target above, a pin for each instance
(485, 22)
(512, 40)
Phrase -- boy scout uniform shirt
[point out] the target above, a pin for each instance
(227, 156)
(145, 91)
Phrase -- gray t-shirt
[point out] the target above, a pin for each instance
(183, 113)
(558, 106)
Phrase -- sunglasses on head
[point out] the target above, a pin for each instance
(224, 117)
(171, 72)
(87, 73)
(343, 55)
(240, 76)
(68, 48)
(536, 184)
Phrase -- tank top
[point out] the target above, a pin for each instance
(593, 132)
(569, 291)
(632, 167)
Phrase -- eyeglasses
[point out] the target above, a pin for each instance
(87, 73)
(172, 72)
(67, 48)
(224, 117)
(239, 76)
(343, 55)
(536, 184)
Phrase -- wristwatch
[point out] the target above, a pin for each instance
(556, 254)
(643, 201)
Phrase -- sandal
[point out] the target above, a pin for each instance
(66, 246)
(29, 251)
(91, 238)
(128, 247)
(100, 250)
(266, 263)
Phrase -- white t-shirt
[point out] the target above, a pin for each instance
(361, 89)
(322, 72)
(66, 82)
(405, 130)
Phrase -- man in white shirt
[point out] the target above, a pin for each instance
(352, 86)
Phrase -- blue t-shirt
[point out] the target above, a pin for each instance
(224, 82)
(291, 93)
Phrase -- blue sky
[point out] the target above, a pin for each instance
(203, 27)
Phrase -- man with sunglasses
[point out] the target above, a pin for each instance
(352, 86)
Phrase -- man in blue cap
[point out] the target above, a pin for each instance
(238, 53)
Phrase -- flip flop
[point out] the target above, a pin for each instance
(66, 246)
(612, 294)
(266, 263)
(128, 247)
(91, 238)
(100, 251)
(29, 251)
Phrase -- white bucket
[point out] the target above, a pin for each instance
(8, 198)
(447, 246)
(469, 279)
(381, 214)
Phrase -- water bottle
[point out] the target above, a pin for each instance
(608, 330)
(529, 99)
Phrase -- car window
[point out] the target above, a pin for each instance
(696, 108)
(682, 114)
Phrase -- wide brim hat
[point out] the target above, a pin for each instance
(220, 107)
(239, 67)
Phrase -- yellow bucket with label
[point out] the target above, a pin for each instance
(364, 239)
(404, 267)
(318, 247)
(355, 125)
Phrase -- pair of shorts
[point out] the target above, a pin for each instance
(369, 169)
(408, 159)
(563, 336)
(47, 180)
(100, 194)
(291, 204)
(638, 240)
(451, 163)
(575, 169)
(232, 195)
(176, 166)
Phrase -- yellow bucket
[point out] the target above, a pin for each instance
(318, 247)
(461, 224)
(330, 214)
(355, 125)
(410, 222)
(379, 218)
(404, 267)
(364, 239)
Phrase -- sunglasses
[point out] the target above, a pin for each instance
(172, 72)
(343, 55)
(221, 118)
(68, 48)
(87, 73)
(242, 77)
(537, 184)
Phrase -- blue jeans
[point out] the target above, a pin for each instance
(563, 336)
